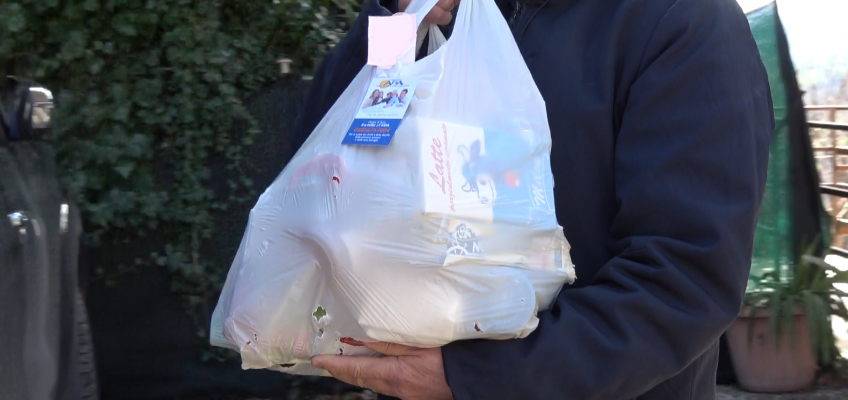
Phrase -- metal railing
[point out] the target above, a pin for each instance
(835, 188)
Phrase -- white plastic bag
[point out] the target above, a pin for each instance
(449, 233)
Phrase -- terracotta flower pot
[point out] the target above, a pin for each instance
(765, 365)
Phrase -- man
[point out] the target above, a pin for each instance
(402, 97)
(661, 115)
(391, 99)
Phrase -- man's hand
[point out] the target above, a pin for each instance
(439, 15)
(405, 372)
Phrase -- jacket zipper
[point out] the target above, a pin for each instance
(519, 6)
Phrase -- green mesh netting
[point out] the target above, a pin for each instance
(792, 215)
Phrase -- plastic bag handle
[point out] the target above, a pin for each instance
(435, 35)
(420, 8)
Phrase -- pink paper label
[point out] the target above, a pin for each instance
(389, 38)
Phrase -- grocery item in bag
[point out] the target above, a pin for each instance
(486, 175)
(424, 230)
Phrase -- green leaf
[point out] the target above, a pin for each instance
(125, 170)
(74, 46)
(13, 18)
(91, 5)
(95, 66)
(227, 89)
(124, 28)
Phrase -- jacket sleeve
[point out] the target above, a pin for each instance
(690, 168)
(337, 71)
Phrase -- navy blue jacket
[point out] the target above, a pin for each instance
(661, 118)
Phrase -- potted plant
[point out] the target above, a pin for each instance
(784, 330)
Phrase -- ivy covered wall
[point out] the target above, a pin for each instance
(152, 125)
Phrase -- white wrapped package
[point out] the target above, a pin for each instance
(447, 233)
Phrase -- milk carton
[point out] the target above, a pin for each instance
(484, 176)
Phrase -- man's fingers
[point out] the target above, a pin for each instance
(391, 349)
(447, 5)
(366, 372)
(438, 16)
(353, 367)
(441, 13)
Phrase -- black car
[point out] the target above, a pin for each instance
(45, 342)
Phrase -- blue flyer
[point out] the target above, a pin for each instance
(381, 112)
